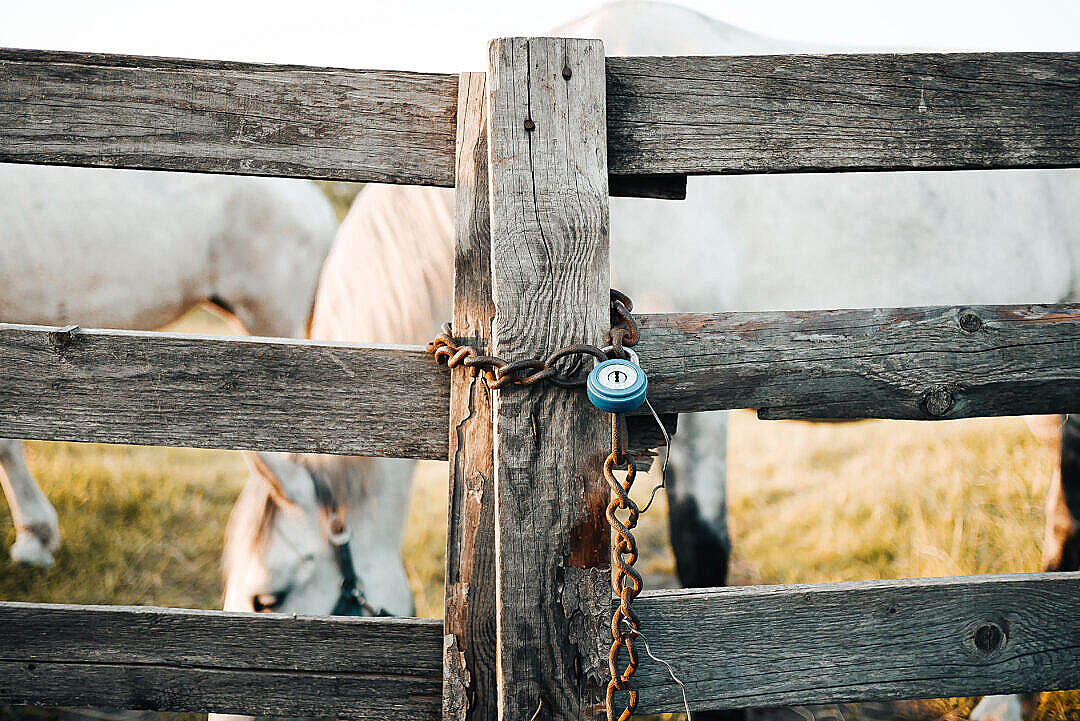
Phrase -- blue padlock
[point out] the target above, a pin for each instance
(618, 386)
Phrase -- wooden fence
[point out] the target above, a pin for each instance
(534, 148)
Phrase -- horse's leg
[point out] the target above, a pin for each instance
(1061, 552)
(697, 500)
(37, 532)
(697, 511)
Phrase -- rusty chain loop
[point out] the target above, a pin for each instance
(500, 373)
(625, 580)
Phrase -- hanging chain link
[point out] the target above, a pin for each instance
(625, 579)
(500, 373)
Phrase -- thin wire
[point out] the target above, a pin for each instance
(667, 455)
(670, 670)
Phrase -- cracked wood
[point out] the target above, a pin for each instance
(814, 113)
(666, 117)
(758, 646)
(168, 389)
(549, 249)
(181, 660)
(917, 363)
(223, 117)
(469, 682)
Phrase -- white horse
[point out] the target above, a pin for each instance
(132, 249)
(384, 281)
(736, 243)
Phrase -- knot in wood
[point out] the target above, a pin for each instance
(970, 321)
(530, 125)
(63, 339)
(938, 401)
(566, 72)
(989, 637)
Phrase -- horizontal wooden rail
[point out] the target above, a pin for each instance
(260, 394)
(169, 389)
(122, 111)
(209, 116)
(917, 363)
(258, 664)
(862, 641)
(733, 647)
(666, 116)
(818, 113)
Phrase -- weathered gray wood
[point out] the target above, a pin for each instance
(223, 117)
(215, 392)
(919, 363)
(549, 248)
(123, 111)
(862, 641)
(672, 115)
(749, 646)
(212, 392)
(807, 113)
(469, 670)
(181, 660)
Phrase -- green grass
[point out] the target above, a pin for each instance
(809, 503)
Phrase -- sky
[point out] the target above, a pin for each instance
(452, 36)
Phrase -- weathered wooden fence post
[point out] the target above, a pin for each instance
(469, 644)
(549, 249)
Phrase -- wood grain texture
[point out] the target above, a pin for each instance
(549, 248)
(812, 113)
(762, 646)
(171, 389)
(666, 116)
(469, 682)
(181, 660)
(223, 117)
(247, 393)
(917, 363)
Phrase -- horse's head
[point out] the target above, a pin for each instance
(319, 535)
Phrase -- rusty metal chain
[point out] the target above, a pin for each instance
(625, 580)
(500, 373)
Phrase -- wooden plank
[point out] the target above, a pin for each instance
(169, 389)
(667, 116)
(870, 640)
(224, 117)
(469, 666)
(917, 363)
(173, 389)
(182, 660)
(124, 111)
(813, 113)
(258, 394)
(549, 248)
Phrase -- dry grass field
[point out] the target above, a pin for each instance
(809, 502)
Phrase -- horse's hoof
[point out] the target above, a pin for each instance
(30, 550)
(998, 708)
